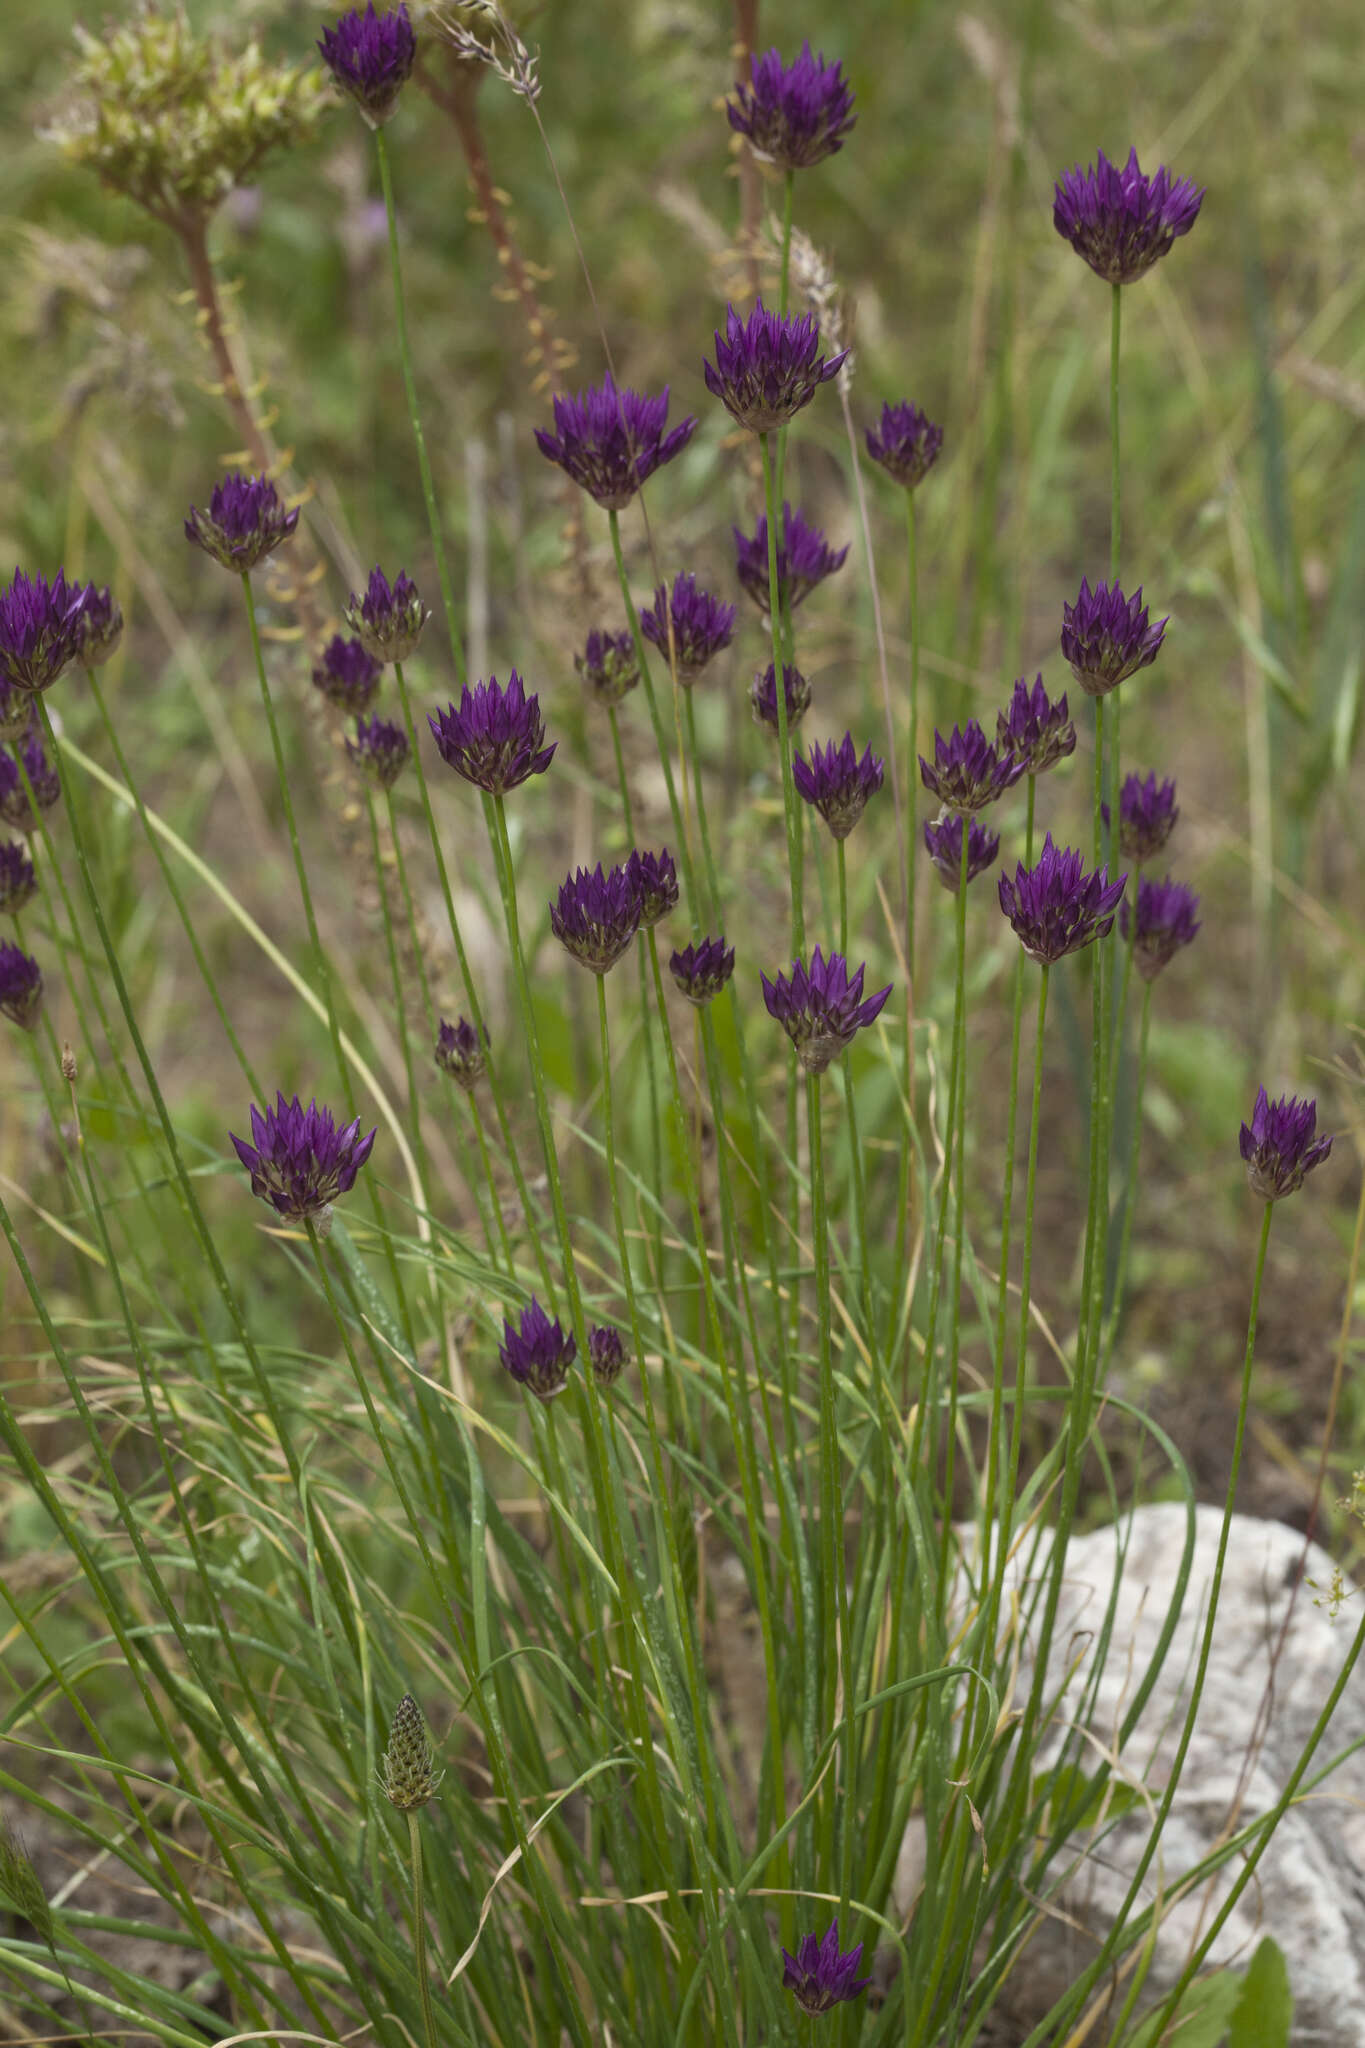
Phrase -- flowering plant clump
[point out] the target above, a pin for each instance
(1057, 908)
(595, 916)
(905, 443)
(1147, 817)
(40, 630)
(608, 665)
(18, 880)
(245, 522)
(763, 696)
(689, 626)
(496, 737)
(15, 809)
(1121, 221)
(460, 1052)
(943, 842)
(610, 442)
(389, 619)
(821, 1008)
(1034, 729)
(371, 57)
(607, 1354)
(537, 1353)
(1166, 921)
(793, 115)
(347, 676)
(837, 783)
(820, 1975)
(702, 970)
(967, 773)
(655, 882)
(21, 986)
(379, 751)
(768, 367)
(1107, 637)
(300, 1160)
(804, 558)
(99, 627)
(1281, 1146)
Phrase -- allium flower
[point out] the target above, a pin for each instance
(819, 1975)
(1165, 922)
(347, 676)
(496, 739)
(701, 971)
(821, 1010)
(379, 750)
(460, 1052)
(21, 986)
(1147, 815)
(40, 628)
(537, 1354)
(1034, 729)
(655, 882)
(15, 808)
(389, 618)
(1280, 1147)
(837, 783)
(804, 558)
(245, 522)
(768, 367)
(967, 772)
(99, 627)
(371, 57)
(763, 697)
(595, 916)
(18, 881)
(794, 115)
(1107, 637)
(606, 1354)
(1120, 221)
(610, 441)
(301, 1160)
(701, 626)
(1055, 907)
(905, 442)
(943, 839)
(608, 665)
(407, 1768)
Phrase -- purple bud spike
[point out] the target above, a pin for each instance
(943, 839)
(608, 666)
(1055, 907)
(763, 697)
(40, 631)
(537, 1353)
(1107, 637)
(796, 114)
(371, 57)
(768, 367)
(820, 1975)
(301, 1160)
(1280, 1147)
(611, 441)
(821, 1009)
(655, 882)
(18, 881)
(837, 783)
(496, 739)
(15, 808)
(245, 522)
(1121, 221)
(607, 1354)
(905, 442)
(1147, 815)
(595, 916)
(701, 971)
(389, 618)
(1165, 922)
(690, 627)
(804, 558)
(460, 1052)
(968, 772)
(99, 627)
(21, 986)
(379, 751)
(1034, 729)
(347, 676)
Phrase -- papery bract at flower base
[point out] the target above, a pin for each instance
(460, 1052)
(610, 441)
(702, 970)
(389, 619)
(654, 879)
(819, 1975)
(347, 675)
(1165, 922)
(18, 879)
(300, 1159)
(1034, 729)
(837, 783)
(537, 1353)
(1147, 816)
(768, 367)
(21, 986)
(99, 627)
(905, 443)
(804, 559)
(689, 627)
(379, 751)
(1107, 637)
(1280, 1145)
(1055, 907)
(496, 737)
(15, 808)
(763, 697)
(245, 522)
(822, 1008)
(40, 629)
(967, 772)
(606, 1354)
(1123, 221)
(595, 916)
(793, 115)
(943, 842)
(371, 57)
(608, 666)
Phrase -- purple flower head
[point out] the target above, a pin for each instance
(1034, 729)
(819, 1975)
(460, 1052)
(1165, 922)
(245, 522)
(40, 629)
(606, 1354)
(1106, 637)
(610, 442)
(763, 697)
(15, 808)
(389, 618)
(1147, 815)
(21, 986)
(794, 115)
(804, 558)
(690, 626)
(655, 882)
(837, 783)
(537, 1354)
(379, 750)
(1120, 221)
(967, 772)
(496, 738)
(595, 916)
(943, 839)
(18, 881)
(1055, 907)
(701, 971)
(821, 1009)
(347, 676)
(608, 665)
(768, 366)
(371, 57)
(301, 1159)
(99, 627)
(1280, 1147)
(905, 442)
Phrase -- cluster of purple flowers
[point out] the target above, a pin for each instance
(246, 520)
(299, 1160)
(821, 1007)
(596, 914)
(689, 626)
(495, 737)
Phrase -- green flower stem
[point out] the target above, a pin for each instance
(960, 1212)
(1010, 1491)
(836, 1666)
(400, 318)
(783, 735)
(419, 1926)
(399, 999)
(1130, 1183)
(494, 1203)
(476, 1017)
(410, 914)
(911, 854)
(703, 829)
(841, 867)
(1115, 327)
(622, 781)
(788, 188)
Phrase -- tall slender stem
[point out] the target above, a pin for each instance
(419, 1926)
(780, 692)
(1115, 504)
(1010, 1490)
(960, 1203)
